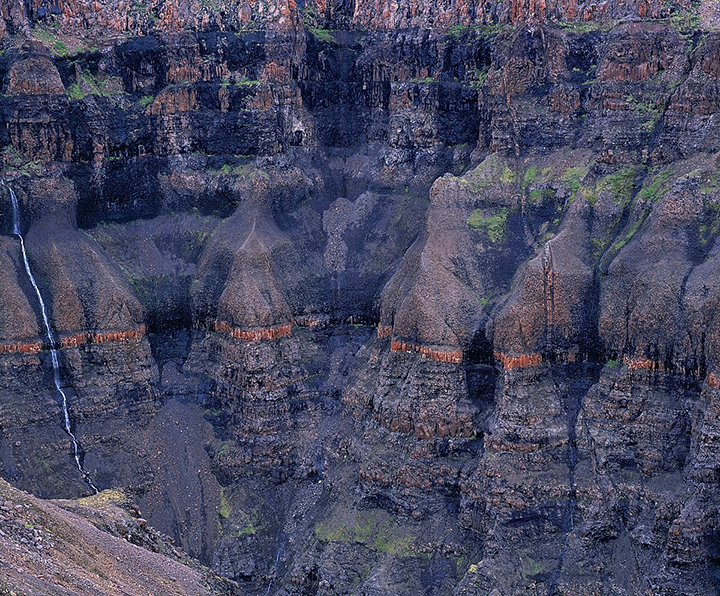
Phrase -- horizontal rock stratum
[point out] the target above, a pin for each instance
(364, 298)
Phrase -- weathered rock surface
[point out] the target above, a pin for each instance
(94, 545)
(356, 298)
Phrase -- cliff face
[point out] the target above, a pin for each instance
(374, 299)
(117, 16)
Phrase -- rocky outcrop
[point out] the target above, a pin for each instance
(414, 392)
(88, 292)
(354, 308)
(46, 546)
(238, 285)
(18, 317)
(436, 296)
(546, 313)
(37, 108)
(34, 74)
(121, 16)
(99, 327)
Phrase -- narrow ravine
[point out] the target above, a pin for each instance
(51, 342)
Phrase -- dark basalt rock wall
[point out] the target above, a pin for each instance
(425, 303)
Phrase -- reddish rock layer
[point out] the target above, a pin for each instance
(644, 364)
(78, 339)
(103, 337)
(21, 348)
(251, 335)
(523, 361)
(438, 355)
(373, 14)
(384, 331)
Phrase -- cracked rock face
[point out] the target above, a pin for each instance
(354, 299)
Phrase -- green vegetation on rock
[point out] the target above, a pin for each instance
(323, 35)
(238, 521)
(64, 45)
(586, 26)
(224, 510)
(495, 225)
(619, 244)
(529, 176)
(572, 177)
(14, 160)
(711, 184)
(50, 40)
(620, 183)
(657, 188)
(243, 170)
(89, 84)
(530, 568)
(235, 169)
(685, 22)
(507, 176)
(240, 82)
(312, 22)
(480, 75)
(710, 225)
(538, 195)
(483, 30)
(457, 30)
(374, 529)
(647, 109)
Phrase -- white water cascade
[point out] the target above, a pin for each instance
(51, 341)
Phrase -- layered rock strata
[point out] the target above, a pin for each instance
(362, 299)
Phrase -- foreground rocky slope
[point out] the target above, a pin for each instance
(91, 546)
(353, 307)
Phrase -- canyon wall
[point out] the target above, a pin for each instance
(388, 298)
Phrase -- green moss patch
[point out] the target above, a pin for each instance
(495, 225)
(657, 188)
(88, 84)
(620, 183)
(573, 178)
(374, 529)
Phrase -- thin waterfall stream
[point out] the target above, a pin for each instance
(51, 341)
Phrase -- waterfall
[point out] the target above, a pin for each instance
(275, 569)
(51, 341)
